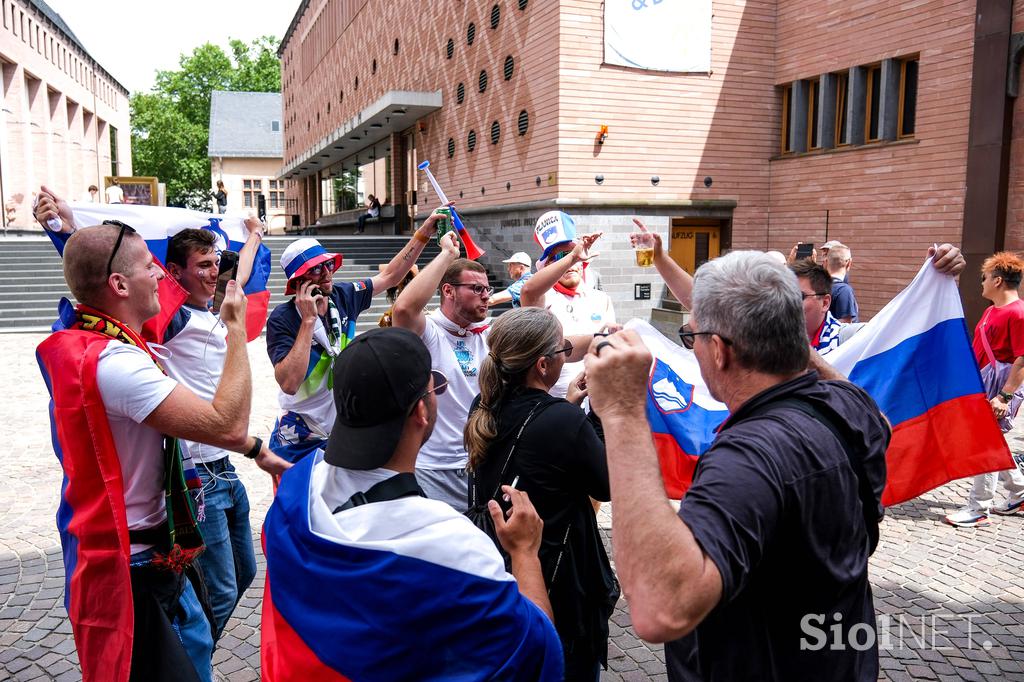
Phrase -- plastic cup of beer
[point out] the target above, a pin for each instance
(644, 249)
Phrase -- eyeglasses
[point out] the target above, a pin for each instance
(440, 386)
(567, 349)
(117, 245)
(559, 256)
(318, 270)
(804, 296)
(688, 337)
(478, 289)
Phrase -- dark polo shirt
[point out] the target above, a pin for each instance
(775, 505)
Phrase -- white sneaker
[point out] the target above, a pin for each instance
(1008, 508)
(967, 518)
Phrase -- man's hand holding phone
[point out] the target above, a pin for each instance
(309, 300)
(519, 530)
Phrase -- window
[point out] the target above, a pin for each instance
(908, 97)
(276, 194)
(813, 103)
(275, 126)
(873, 121)
(787, 122)
(113, 151)
(524, 122)
(470, 33)
(510, 65)
(842, 97)
(251, 189)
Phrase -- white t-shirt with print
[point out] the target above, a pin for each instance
(132, 386)
(458, 358)
(198, 345)
(588, 312)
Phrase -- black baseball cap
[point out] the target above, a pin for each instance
(377, 379)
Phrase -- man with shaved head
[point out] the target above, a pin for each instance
(130, 501)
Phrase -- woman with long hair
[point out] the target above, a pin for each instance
(221, 195)
(517, 430)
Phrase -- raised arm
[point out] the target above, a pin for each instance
(408, 309)
(403, 261)
(49, 206)
(248, 253)
(679, 281)
(671, 585)
(224, 422)
(290, 371)
(532, 295)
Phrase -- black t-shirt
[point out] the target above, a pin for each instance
(775, 505)
(561, 464)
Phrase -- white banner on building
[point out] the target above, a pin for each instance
(660, 35)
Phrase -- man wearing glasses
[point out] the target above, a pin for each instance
(127, 517)
(559, 285)
(306, 333)
(776, 530)
(456, 337)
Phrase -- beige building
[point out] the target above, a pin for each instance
(64, 119)
(245, 153)
(756, 124)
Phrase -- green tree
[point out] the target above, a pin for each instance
(171, 123)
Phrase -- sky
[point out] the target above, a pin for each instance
(132, 39)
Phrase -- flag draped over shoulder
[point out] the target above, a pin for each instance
(407, 591)
(157, 224)
(914, 358)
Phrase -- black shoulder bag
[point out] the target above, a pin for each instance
(478, 512)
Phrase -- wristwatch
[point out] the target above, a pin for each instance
(1007, 397)
(256, 448)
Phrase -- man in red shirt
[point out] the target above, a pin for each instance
(999, 349)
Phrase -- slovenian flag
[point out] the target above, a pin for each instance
(157, 224)
(914, 358)
(416, 593)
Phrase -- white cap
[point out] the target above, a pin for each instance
(519, 257)
(831, 244)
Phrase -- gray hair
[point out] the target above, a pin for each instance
(838, 256)
(754, 302)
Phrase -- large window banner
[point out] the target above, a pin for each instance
(660, 35)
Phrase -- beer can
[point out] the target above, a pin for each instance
(444, 225)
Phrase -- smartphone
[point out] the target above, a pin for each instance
(804, 250)
(503, 500)
(227, 272)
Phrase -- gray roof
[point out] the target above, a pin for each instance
(241, 122)
(62, 26)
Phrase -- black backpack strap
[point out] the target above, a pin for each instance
(399, 485)
(869, 503)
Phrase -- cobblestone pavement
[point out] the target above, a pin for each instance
(952, 598)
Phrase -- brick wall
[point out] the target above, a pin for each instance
(888, 202)
(1015, 202)
(58, 106)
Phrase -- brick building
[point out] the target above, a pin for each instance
(64, 119)
(811, 120)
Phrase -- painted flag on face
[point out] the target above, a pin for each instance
(914, 358)
(413, 591)
(157, 224)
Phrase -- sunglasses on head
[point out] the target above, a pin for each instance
(117, 245)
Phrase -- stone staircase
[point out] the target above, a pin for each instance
(32, 282)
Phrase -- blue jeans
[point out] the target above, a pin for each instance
(229, 563)
(191, 624)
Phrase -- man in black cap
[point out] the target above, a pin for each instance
(406, 583)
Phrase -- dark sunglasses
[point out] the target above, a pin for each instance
(117, 245)
(688, 337)
(567, 349)
(559, 256)
(805, 296)
(440, 386)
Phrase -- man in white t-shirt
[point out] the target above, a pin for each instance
(115, 195)
(559, 286)
(197, 341)
(113, 275)
(456, 336)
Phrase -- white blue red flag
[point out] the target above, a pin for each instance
(914, 358)
(157, 224)
(413, 591)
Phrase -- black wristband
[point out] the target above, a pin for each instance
(1006, 396)
(255, 450)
